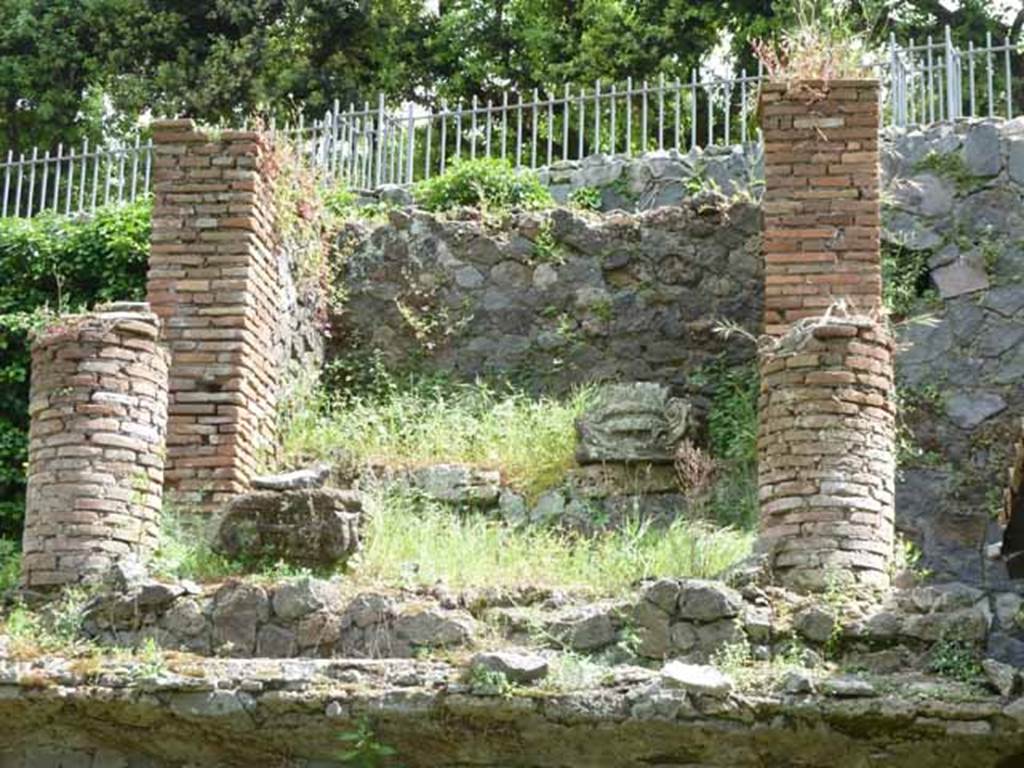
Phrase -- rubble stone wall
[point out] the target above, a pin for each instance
(96, 445)
(826, 454)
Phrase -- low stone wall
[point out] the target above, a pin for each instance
(98, 411)
(826, 453)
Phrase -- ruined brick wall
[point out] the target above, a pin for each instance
(826, 453)
(214, 280)
(96, 445)
(821, 202)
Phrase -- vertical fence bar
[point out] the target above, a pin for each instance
(533, 130)
(504, 124)
(81, 178)
(679, 112)
(426, 149)
(643, 118)
(70, 182)
(743, 106)
(597, 117)
(46, 177)
(582, 124)
(17, 190)
(988, 66)
(472, 130)
(1009, 79)
(95, 178)
(444, 135)
(611, 121)
(379, 177)
(693, 108)
(727, 98)
(410, 145)
(487, 140)
(32, 182)
(970, 75)
(709, 90)
(147, 165)
(661, 111)
(121, 158)
(629, 117)
(458, 131)
(551, 127)
(951, 107)
(7, 179)
(566, 115)
(56, 178)
(135, 167)
(519, 130)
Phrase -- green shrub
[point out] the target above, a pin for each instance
(732, 419)
(905, 278)
(10, 564)
(485, 183)
(586, 198)
(62, 264)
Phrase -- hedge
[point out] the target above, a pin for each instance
(55, 264)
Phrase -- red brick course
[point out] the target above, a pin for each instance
(821, 203)
(98, 408)
(213, 280)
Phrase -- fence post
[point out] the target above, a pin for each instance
(952, 99)
(379, 177)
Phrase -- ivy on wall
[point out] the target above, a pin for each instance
(55, 264)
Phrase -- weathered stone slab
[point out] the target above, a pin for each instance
(314, 528)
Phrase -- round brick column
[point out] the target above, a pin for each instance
(826, 453)
(96, 445)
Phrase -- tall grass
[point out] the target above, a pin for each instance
(530, 440)
(413, 541)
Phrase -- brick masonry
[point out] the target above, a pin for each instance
(826, 453)
(214, 280)
(821, 203)
(96, 445)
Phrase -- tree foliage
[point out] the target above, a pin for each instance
(85, 68)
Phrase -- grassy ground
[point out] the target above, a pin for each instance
(413, 542)
(531, 440)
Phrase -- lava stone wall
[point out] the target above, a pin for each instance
(96, 445)
(826, 453)
(553, 299)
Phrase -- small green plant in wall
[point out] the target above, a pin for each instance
(362, 749)
(586, 198)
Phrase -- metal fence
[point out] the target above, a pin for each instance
(372, 144)
(69, 181)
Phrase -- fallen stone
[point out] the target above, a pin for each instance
(707, 600)
(698, 679)
(432, 628)
(458, 484)
(1001, 677)
(815, 624)
(797, 682)
(313, 528)
(299, 479)
(633, 422)
(846, 687)
(516, 667)
(297, 598)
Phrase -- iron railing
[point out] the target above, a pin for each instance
(372, 144)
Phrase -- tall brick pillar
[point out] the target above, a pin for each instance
(213, 281)
(821, 199)
(826, 440)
